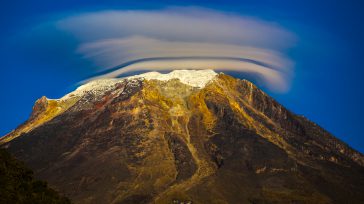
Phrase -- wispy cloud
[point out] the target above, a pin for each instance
(183, 38)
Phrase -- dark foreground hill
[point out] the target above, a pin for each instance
(199, 137)
(17, 184)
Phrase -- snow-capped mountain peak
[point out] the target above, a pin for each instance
(194, 78)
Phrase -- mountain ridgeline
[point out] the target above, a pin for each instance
(183, 137)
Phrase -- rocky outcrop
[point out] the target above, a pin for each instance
(164, 141)
(39, 107)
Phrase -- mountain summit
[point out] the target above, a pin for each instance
(183, 137)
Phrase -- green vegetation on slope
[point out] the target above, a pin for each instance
(17, 184)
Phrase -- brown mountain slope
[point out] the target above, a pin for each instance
(151, 141)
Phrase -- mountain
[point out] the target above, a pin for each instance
(183, 137)
(18, 185)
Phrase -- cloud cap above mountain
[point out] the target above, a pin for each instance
(136, 40)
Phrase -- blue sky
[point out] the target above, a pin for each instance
(328, 56)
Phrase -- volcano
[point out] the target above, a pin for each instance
(189, 136)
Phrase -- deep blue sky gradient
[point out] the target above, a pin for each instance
(329, 69)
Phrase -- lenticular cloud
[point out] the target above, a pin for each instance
(122, 42)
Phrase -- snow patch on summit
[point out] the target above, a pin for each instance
(96, 87)
(194, 78)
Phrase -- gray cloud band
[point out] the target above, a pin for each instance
(182, 39)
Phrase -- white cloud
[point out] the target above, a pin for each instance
(183, 38)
